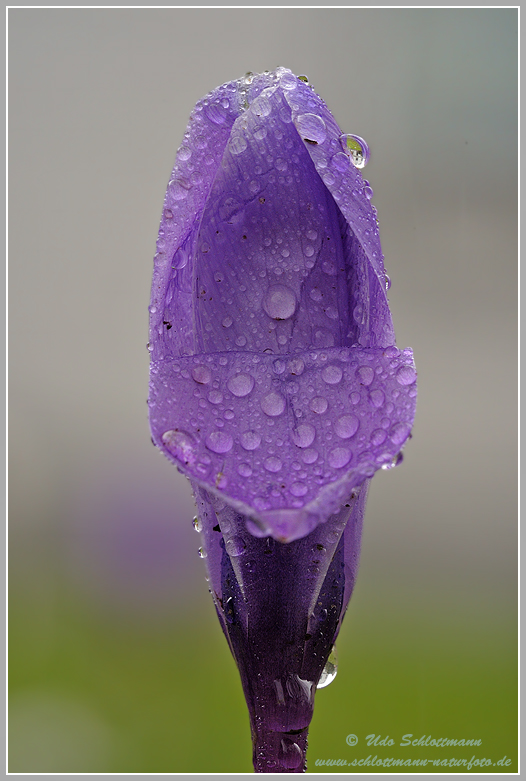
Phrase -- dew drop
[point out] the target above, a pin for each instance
(346, 426)
(245, 470)
(235, 546)
(250, 440)
(201, 374)
(378, 437)
(329, 671)
(273, 404)
(357, 148)
(365, 375)
(311, 127)
(406, 375)
(399, 433)
(219, 442)
(237, 145)
(340, 161)
(377, 398)
(215, 397)
(303, 435)
(216, 113)
(309, 456)
(273, 464)
(387, 280)
(319, 404)
(196, 523)
(288, 81)
(180, 444)
(339, 457)
(298, 489)
(202, 553)
(290, 755)
(279, 302)
(240, 384)
(296, 366)
(332, 374)
(368, 190)
(180, 258)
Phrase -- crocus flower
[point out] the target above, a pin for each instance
(276, 385)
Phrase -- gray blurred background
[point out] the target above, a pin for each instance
(101, 544)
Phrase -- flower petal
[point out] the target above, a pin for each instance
(284, 441)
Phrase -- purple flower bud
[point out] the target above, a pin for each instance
(276, 385)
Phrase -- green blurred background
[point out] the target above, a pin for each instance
(117, 663)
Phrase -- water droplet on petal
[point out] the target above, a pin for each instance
(288, 81)
(201, 374)
(387, 280)
(298, 489)
(303, 435)
(240, 384)
(346, 426)
(397, 460)
(309, 456)
(296, 366)
(245, 470)
(357, 148)
(377, 398)
(332, 374)
(215, 397)
(273, 404)
(378, 437)
(290, 755)
(202, 553)
(196, 523)
(319, 404)
(180, 258)
(235, 546)
(399, 433)
(180, 444)
(216, 113)
(329, 671)
(273, 464)
(339, 457)
(219, 442)
(368, 190)
(311, 128)
(237, 144)
(365, 375)
(406, 375)
(250, 440)
(279, 302)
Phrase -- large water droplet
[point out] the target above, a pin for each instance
(406, 375)
(237, 145)
(235, 546)
(196, 523)
(180, 444)
(319, 404)
(346, 426)
(273, 404)
(290, 755)
(339, 457)
(240, 384)
(303, 435)
(180, 258)
(357, 148)
(311, 128)
(201, 374)
(250, 440)
(202, 553)
(279, 302)
(332, 374)
(397, 460)
(329, 671)
(288, 81)
(219, 442)
(273, 464)
(365, 375)
(216, 113)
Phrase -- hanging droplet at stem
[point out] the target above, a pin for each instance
(330, 670)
